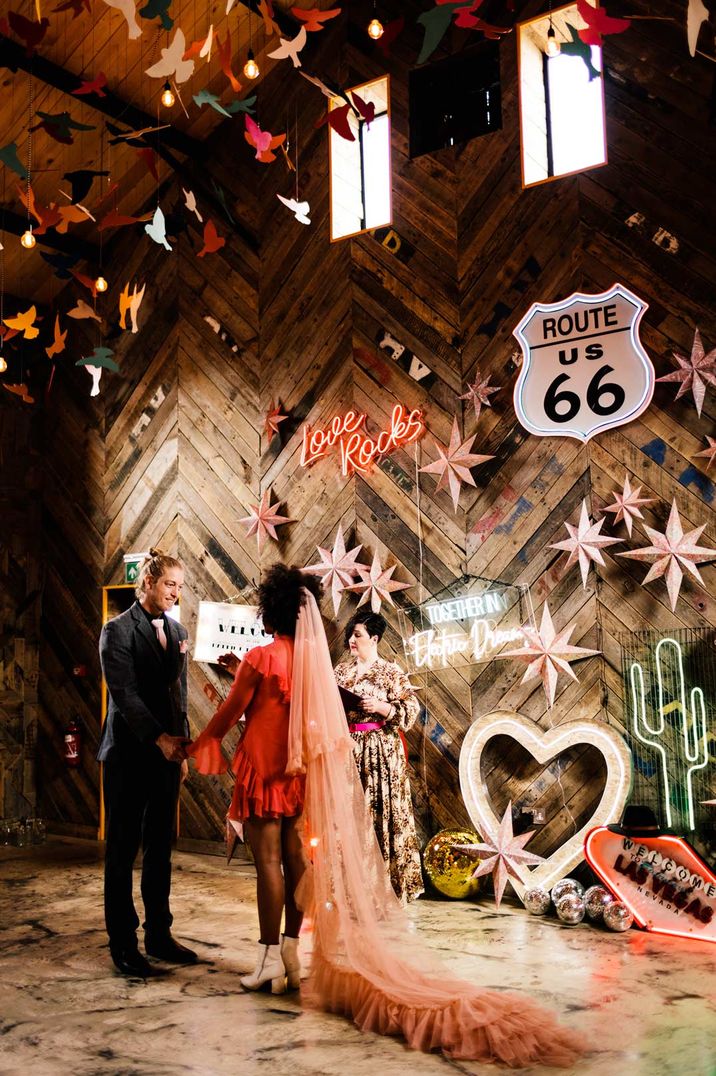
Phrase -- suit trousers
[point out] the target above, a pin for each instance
(141, 790)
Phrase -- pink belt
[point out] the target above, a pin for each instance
(365, 726)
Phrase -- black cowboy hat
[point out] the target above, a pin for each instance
(637, 821)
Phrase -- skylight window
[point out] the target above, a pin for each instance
(360, 169)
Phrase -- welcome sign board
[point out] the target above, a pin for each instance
(223, 628)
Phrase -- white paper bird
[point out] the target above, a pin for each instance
(135, 302)
(95, 373)
(697, 14)
(157, 229)
(206, 47)
(190, 203)
(172, 63)
(289, 50)
(128, 9)
(299, 209)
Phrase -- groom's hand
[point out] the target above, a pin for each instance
(172, 747)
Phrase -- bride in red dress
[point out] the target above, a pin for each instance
(267, 801)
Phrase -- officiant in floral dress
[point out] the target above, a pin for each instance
(389, 706)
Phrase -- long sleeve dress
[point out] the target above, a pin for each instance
(382, 767)
(262, 691)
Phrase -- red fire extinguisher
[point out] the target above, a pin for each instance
(73, 740)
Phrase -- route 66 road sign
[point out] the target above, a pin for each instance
(584, 368)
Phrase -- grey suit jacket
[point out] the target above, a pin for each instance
(147, 692)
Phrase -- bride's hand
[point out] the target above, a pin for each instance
(229, 663)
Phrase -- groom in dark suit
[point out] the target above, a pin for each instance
(143, 655)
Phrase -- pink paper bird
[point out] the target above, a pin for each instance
(599, 24)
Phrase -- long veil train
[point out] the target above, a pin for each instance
(365, 962)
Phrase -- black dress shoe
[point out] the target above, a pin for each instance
(167, 948)
(131, 963)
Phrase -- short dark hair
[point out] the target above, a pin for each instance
(281, 596)
(375, 624)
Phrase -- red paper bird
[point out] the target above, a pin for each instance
(114, 219)
(86, 281)
(212, 240)
(392, 31)
(599, 24)
(149, 159)
(224, 50)
(338, 120)
(46, 216)
(314, 19)
(30, 31)
(95, 85)
(263, 141)
(7, 334)
(22, 391)
(266, 13)
(366, 108)
(76, 6)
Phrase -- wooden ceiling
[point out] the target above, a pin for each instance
(82, 46)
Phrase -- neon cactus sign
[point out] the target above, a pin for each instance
(358, 450)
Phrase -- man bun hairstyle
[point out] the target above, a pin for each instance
(374, 623)
(155, 564)
(281, 596)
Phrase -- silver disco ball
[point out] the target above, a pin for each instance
(567, 885)
(617, 916)
(570, 909)
(595, 901)
(536, 900)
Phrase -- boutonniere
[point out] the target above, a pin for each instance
(183, 646)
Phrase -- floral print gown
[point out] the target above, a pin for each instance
(383, 771)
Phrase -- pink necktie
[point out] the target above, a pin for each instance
(158, 626)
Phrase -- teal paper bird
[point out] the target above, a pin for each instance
(244, 104)
(9, 157)
(222, 198)
(577, 47)
(204, 97)
(158, 9)
(435, 23)
(101, 356)
(60, 125)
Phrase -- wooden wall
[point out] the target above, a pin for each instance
(174, 451)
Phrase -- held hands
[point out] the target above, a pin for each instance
(172, 747)
(371, 705)
(229, 663)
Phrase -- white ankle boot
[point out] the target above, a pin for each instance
(289, 956)
(269, 968)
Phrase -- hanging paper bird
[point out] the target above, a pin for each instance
(467, 20)
(113, 219)
(201, 48)
(101, 356)
(212, 240)
(22, 391)
(83, 310)
(696, 15)
(58, 343)
(71, 214)
(435, 22)
(172, 64)
(599, 24)
(81, 182)
(128, 9)
(338, 120)
(95, 85)
(157, 229)
(391, 32)
(132, 138)
(366, 108)
(219, 192)
(9, 157)
(30, 31)
(76, 6)
(224, 50)
(263, 141)
(314, 19)
(299, 209)
(129, 304)
(158, 9)
(60, 126)
(576, 47)
(190, 203)
(61, 263)
(266, 12)
(243, 104)
(149, 159)
(204, 97)
(289, 50)
(88, 282)
(24, 323)
(46, 216)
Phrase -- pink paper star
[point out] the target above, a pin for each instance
(710, 452)
(627, 504)
(272, 421)
(454, 463)
(672, 552)
(479, 391)
(584, 543)
(505, 853)
(548, 652)
(337, 568)
(377, 585)
(263, 520)
(694, 372)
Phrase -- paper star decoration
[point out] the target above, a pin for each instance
(694, 372)
(672, 552)
(376, 584)
(584, 544)
(710, 452)
(274, 418)
(504, 853)
(548, 653)
(337, 568)
(454, 463)
(479, 391)
(263, 520)
(627, 505)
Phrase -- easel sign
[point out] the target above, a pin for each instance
(223, 628)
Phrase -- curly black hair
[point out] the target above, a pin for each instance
(375, 624)
(280, 596)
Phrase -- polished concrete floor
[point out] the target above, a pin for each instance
(648, 1004)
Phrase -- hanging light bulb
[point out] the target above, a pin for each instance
(251, 68)
(3, 365)
(375, 28)
(552, 42)
(168, 97)
(100, 283)
(27, 239)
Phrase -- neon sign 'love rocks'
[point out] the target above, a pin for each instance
(358, 450)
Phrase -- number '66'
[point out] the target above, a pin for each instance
(563, 406)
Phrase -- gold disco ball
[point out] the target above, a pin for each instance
(449, 863)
